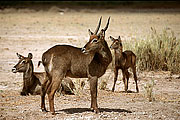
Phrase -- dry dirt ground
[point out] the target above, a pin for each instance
(25, 31)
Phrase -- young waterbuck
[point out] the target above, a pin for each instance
(123, 61)
(32, 80)
(89, 62)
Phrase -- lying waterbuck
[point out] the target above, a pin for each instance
(123, 61)
(32, 80)
(89, 62)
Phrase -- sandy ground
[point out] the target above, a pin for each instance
(25, 31)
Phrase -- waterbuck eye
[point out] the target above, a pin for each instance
(22, 62)
(94, 40)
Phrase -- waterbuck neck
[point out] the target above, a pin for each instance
(28, 75)
(118, 52)
(104, 55)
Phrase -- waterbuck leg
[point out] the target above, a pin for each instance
(124, 76)
(56, 81)
(24, 91)
(93, 90)
(135, 78)
(127, 79)
(115, 78)
(45, 86)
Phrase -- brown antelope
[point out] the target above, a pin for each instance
(89, 62)
(123, 61)
(32, 80)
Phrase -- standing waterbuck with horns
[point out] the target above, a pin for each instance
(89, 62)
(123, 61)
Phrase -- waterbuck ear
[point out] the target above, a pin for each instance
(90, 33)
(119, 38)
(111, 38)
(19, 56)
(30, 56)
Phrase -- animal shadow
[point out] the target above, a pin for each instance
(129, 91)
(81, 110)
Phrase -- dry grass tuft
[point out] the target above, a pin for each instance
(149, 91)
(103, 85)
(159, 51)
(79, 87)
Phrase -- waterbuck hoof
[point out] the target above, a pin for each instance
(53, 113)
(44, 110)
(126, 91)
(95, 110)
(23, 93)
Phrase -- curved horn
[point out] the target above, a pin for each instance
(107, 25)
(97, 29)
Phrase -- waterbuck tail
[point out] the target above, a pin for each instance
(39, 63)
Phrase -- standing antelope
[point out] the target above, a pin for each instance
(89, 62)
(32, 80)
(123, 61)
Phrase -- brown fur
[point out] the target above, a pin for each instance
(32, 80)
(123, 61)
(64, 60)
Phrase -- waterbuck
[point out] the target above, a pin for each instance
(32, 80)
(89, 62)
(123, 61)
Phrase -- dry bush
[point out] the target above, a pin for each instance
(159, 51)
(103, 85)
(79, 85)
(149, 90)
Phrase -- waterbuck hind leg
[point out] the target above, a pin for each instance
(127, 79)
(124, 80)
(44, 88)
(115, 78)
(135, 78)
(93, 90)
(54, 85)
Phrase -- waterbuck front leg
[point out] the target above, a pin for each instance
(115, 78)
(24, 91)
(93, 90)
